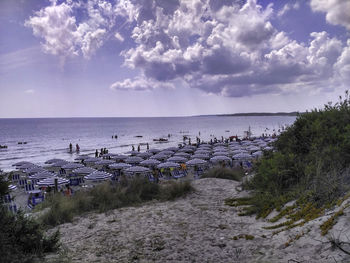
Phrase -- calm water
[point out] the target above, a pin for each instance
(49, 138)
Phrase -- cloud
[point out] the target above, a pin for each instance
(287, 7)
(225, 47)
(337, 11)
(140, 84)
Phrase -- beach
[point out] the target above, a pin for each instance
(197, 228)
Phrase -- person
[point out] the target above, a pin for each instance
(77, 147)
(138, 148)
(96, 153)
(70, 147)
(133, 148)
(147, 146)
(68, 191)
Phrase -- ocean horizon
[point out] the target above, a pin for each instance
(39, 139)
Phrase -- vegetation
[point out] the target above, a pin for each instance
(310, 165)
(235, 174)
(22, 238)
(107, 196)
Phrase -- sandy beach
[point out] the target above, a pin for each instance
(197, 228)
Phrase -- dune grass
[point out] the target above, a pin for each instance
(107, 196)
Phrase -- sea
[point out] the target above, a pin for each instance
(37, 140)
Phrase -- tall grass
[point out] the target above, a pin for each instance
(107, 196)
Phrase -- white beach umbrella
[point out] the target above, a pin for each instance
(133, 160)
(120, 157)
(220, 144)
(219, 158)
(104, 162)
(119, 166)
(50, 181)
(42, 175)
(200, 156)
(12, 187)
(182, 154)
(253, 148)
(173, 149)
(132, 153)
(268, 148)
(221, 153)
(177, 159)
(150, 162)
(72, 166)
(159, 156)
(59, 164)
(169, 153)
(145, 154)
(186, 150)
(26, 166)
(21, 163)
(55, 160)
(168, 165)
(153, 151)
(242, 156)
(34, 169)
(257, 154)
(98, 176)
(83, 170)
(196, 162)
(92, 160)
(137, 170)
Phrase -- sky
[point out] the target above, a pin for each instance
(146, 58)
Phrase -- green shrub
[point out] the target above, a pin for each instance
(22, 239)
(235, 174)
(310, 163)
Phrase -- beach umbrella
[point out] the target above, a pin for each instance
(159, 156)
(220, 153)
(26, 166)
(72, 166)
(150, 162)
(196, 162)
(132, 153)
(92, 160)
(119, 157)
(137, 170)
(153, 151)
(98, 176)
(34, 169)
(42, 175)
(145, 154)
(186, 150)
(104, 162)
(51, 161)
(81, 157)
(133, 160)
(219, 149)
(257, 154)
(119, 166)
(173, 149)
(220, 144)
(50, 181)
(242, 156)
(169, 153)
(253, 148)
(202, 151)
(12, 187)
(21, 163)
(268, 148)
(84, 170)
(182, 154)
(168, 165)
(59, 164)
(219, 158)
(200, 156)
(177, 159)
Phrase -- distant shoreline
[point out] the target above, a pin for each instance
(252, 114)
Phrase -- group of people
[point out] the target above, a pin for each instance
(77, 148)
(102, 152)
(139, 147)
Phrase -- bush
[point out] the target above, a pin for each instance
(310, 163)
(22, 239)
(107, 196)
(235, 174)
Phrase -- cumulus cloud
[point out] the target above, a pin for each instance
(337, 11)
(140, 84)
(63, 36)
(227, 47)
(29, 91)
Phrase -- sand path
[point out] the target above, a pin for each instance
(197, 228)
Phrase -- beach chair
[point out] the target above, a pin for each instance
(22, 182)
(15, 177)
(62, 172)
(7, 199)
(29, 187)
(176, 174)
(12, 208)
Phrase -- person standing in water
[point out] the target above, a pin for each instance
(70, 147)
(77, 148)
(96, 153)
(147, 146)
(138, 148)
